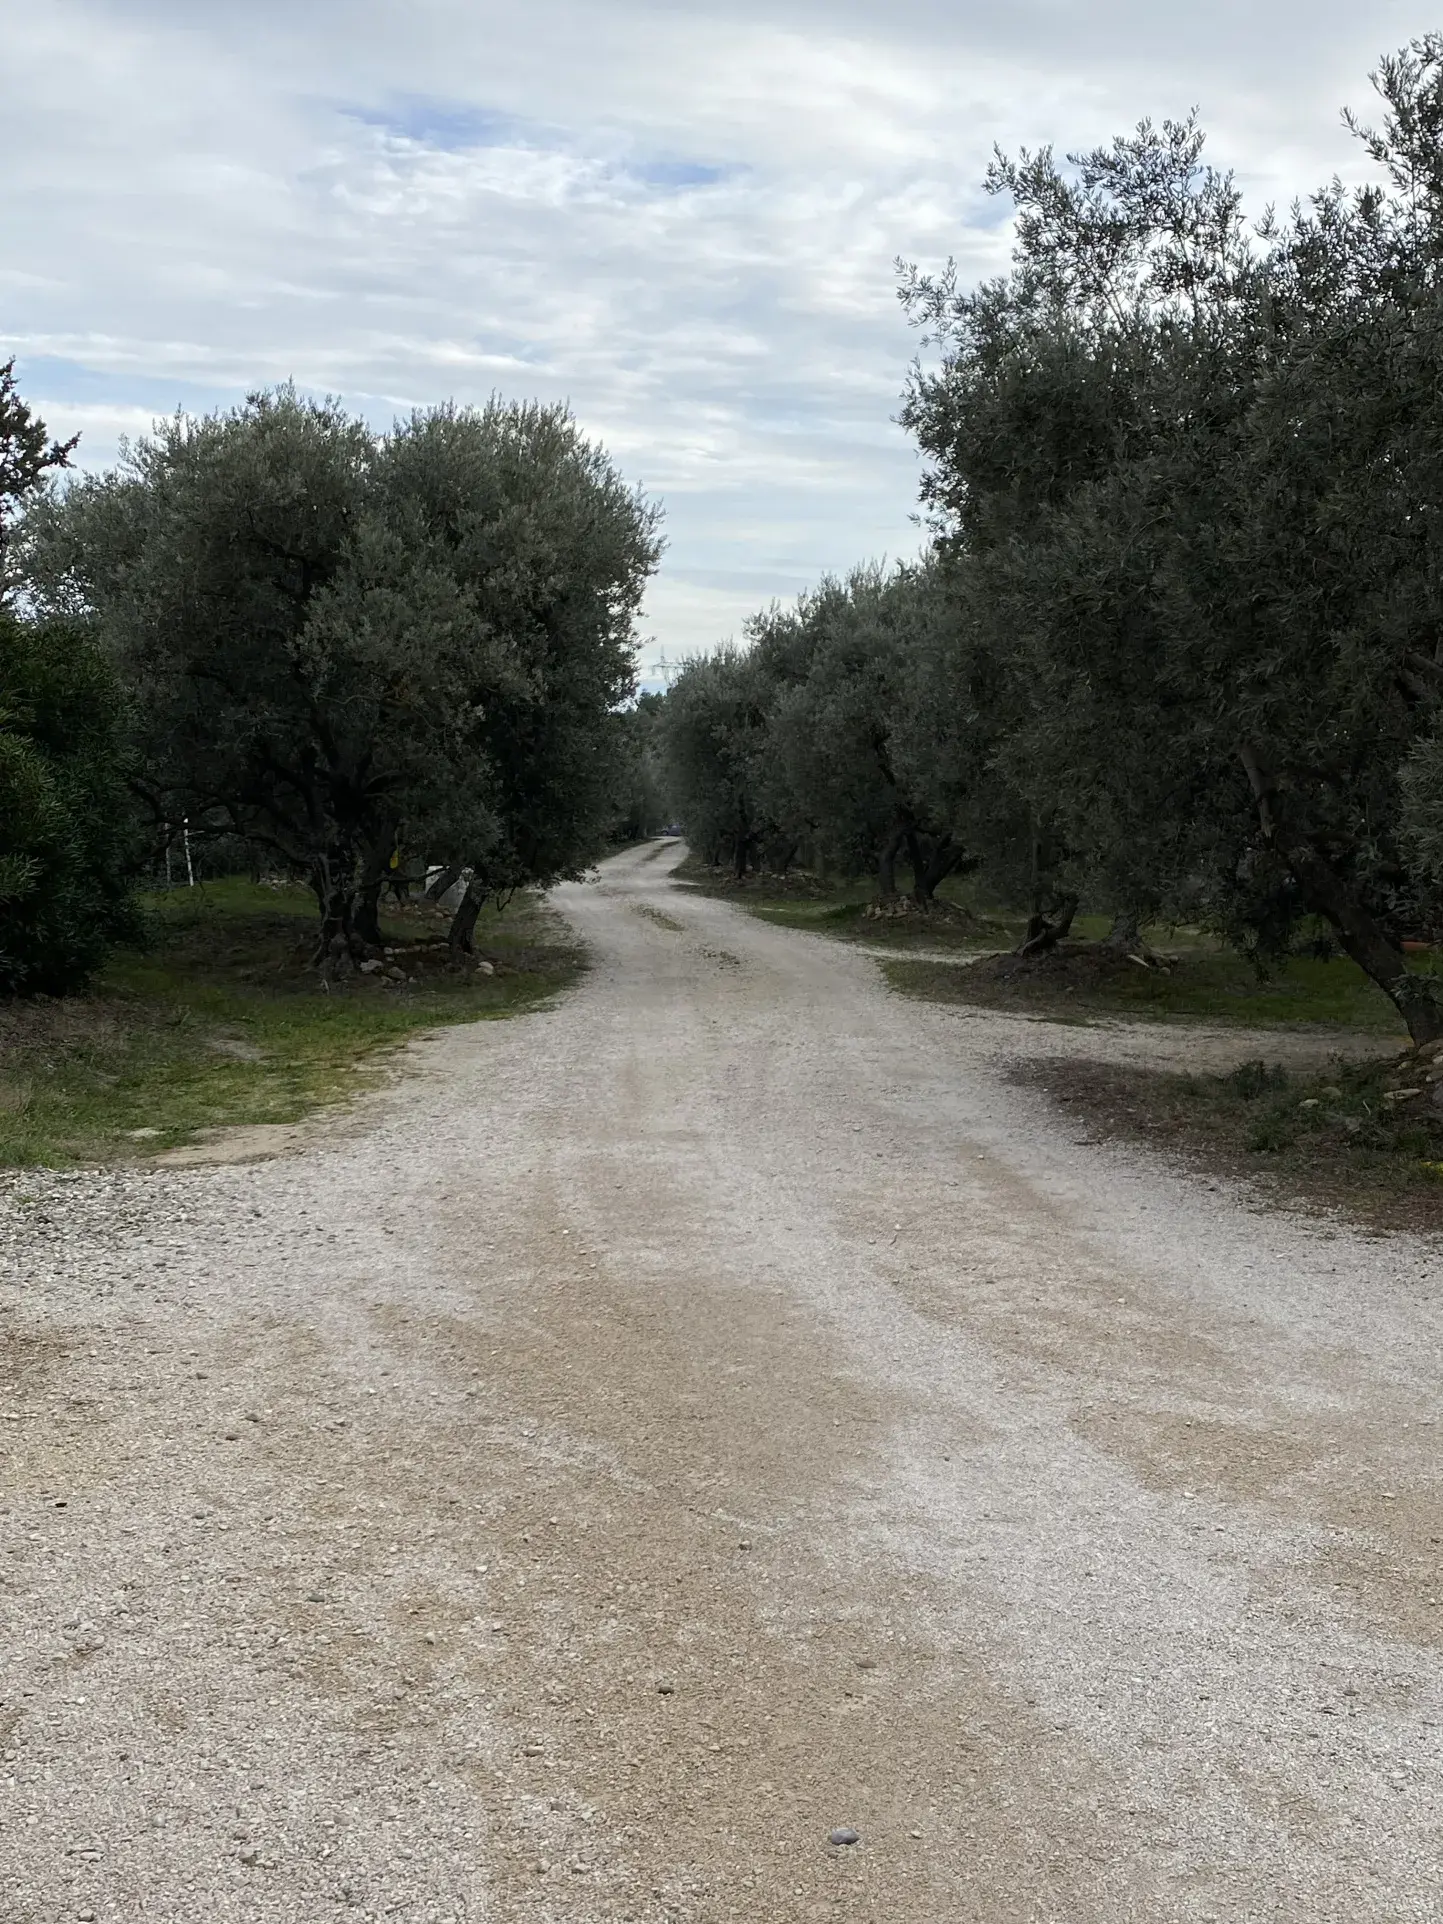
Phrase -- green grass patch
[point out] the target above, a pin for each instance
(1198, 979)
(1363, 1137)
(1215, 985)
(221, 1021)
(963, 916)
(847, 910)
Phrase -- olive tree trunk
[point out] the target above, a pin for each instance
(444, 879)
(460, 936)
(887, 866)
(366, 916)
(1325, 891)
(1044, 934)
(333, 880)
(931, 866)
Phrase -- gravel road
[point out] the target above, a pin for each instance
(666, 1427)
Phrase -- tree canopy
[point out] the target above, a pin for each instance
(64, 820)
(344, 647)
(65, 855)
(1178, 650)
(27, 456)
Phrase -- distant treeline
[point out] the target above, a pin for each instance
(1177, 650)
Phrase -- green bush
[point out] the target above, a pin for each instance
(65, 821)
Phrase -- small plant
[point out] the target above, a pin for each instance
(1271, 1133)
(1363, 1135)
(1257, 1078)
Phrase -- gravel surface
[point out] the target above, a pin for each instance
(717, 1413)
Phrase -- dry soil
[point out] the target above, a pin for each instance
(710, 1411)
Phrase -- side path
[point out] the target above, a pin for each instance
(671, 1425)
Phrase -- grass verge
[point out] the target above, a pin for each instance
(960, 918)
(1364, 1138)
(848, 911)
(1206, 985)
(1196, 980)
(220, 1021)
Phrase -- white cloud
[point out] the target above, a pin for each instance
(681, 218)
(101, 427)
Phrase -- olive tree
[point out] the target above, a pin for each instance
(1194, 473)
(65, 847)
(876, 747)
(27, 456)
(713, 753)
(341, 646)
(65, 829)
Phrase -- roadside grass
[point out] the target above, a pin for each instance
(1364, 1138)
(220, 1021)
(963, 918)
(1206, 985)
(847, 911)
(1199, 980)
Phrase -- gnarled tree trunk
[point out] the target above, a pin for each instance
(1325, 891)
(444, 879)
(462, 931)
(1125, 934)
(366, 916)
(931, 867)
(1043, 934)
(887, 866)
(333, 879)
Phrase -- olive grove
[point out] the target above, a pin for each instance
(1178, 646)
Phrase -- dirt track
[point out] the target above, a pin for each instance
(664, 1428)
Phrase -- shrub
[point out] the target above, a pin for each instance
(65, 823)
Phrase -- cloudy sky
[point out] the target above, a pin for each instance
(681, 219)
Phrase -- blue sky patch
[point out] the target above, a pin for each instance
(451, 126)
(677, 174)
(66, 380)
